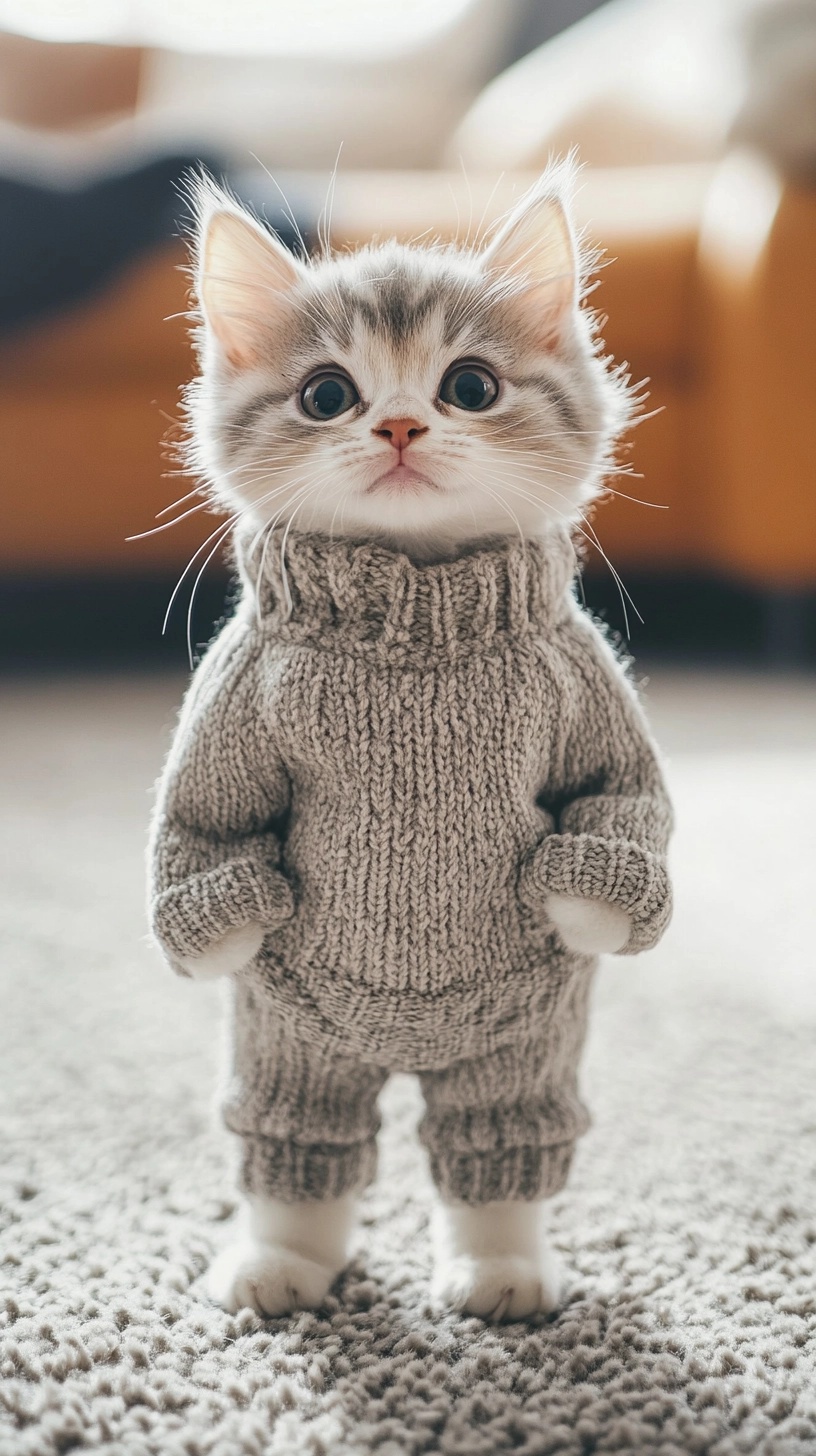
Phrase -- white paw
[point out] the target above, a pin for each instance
(499, 1287)
(591, 927)
(267, 1278)
(237, 948)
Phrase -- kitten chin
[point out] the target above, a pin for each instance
(476, 371)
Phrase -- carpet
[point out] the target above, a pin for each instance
(688, 1226)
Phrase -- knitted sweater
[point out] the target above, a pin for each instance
(389, 765)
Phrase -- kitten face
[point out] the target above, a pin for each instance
(426, 397)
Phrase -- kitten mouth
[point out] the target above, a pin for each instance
(401, 478)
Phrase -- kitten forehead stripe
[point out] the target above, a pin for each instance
(395, 312)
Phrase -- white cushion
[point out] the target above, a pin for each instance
(636, 82)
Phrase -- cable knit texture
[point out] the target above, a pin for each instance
(389, 766)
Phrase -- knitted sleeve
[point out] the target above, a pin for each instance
(611, 809)
(214, 845)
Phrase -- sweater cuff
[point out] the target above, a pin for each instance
(191, 917)
(615, 870)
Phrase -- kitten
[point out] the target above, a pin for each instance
(477, 367)
(430, 399)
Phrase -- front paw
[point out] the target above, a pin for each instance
(499, 1287)
(591, 927)
(230, 954)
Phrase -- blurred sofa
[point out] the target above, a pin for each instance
(709, 293)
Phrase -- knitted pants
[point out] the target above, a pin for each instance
(503, 1125)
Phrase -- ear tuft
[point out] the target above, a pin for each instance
(243, 276)
(535, 249)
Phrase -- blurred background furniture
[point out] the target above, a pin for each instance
(709, 290)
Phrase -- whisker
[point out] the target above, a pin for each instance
(325, 219)
(477, 237)
(268, 527)
(503, 503)
(269, 531)
(341, 502)
(606, 489)
(588, 532)
(180, 502)
(220, 531)
(470, 197)
(154, 530)
(266, 534)
(218, 535)
(287, 209)
(207, 561)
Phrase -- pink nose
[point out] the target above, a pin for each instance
(400, 433)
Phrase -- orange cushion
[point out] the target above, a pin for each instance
(84, 396)
(132, 328)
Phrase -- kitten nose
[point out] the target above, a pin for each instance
(400, 433)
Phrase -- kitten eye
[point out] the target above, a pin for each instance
(469, 387)
(328, 395)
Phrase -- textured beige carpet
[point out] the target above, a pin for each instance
(689, 1224)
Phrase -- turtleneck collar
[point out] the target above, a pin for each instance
(369, 593)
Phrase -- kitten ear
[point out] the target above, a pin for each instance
(243, 277)
(535, 249)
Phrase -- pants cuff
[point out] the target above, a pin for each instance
(298, 1173)
(520, 1173)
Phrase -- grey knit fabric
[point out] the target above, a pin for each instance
(388, 765)
(687, 1229)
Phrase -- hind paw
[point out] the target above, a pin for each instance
(269, 1279)
(501, 1287)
